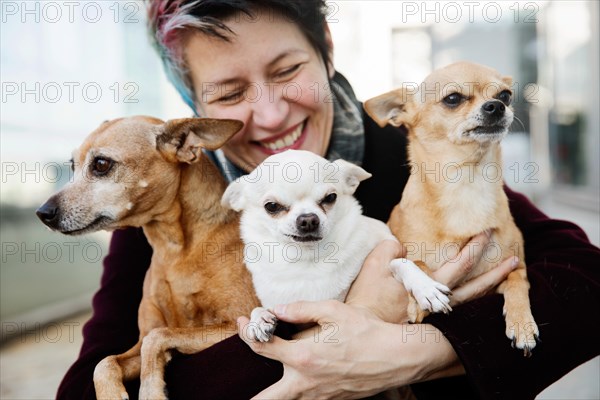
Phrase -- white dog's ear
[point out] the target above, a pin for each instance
(351, 175)
(234, 197)
(389, 108)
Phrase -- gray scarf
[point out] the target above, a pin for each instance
(347, 137)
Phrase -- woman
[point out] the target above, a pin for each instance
(268, 63)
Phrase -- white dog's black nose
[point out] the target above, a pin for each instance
(307, 223)
(48, 213)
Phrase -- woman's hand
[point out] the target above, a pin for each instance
(376, 289)
(353, 353)
(350, 354)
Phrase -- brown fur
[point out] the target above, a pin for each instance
(450, 197)
(197, 283)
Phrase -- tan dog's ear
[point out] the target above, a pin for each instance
(233, 197)
(351, 175)
(508, 80)
(389, 108)
(186, 137)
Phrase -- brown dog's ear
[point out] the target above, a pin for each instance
(388, 108)
(186, 137)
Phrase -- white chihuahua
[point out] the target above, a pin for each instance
(305, 237)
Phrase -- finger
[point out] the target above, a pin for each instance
(481, 285)
(307, 311)
(383, 253)
(276, 349)
(375, 272)
(455, 270)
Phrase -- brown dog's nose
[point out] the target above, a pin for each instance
(307, 223)
(48, 212)
(494, 108)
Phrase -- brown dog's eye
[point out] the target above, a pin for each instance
(273, 208)
(506, 97)
(453, 100)
(101, 166)
(329, 199)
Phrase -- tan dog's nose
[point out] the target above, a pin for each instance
(494, 108)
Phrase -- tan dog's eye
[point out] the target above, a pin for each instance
(274, 208)
(101, 166)
(506, 97)
(329, 199)
(453, 100)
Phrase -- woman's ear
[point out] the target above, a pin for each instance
(329, 41)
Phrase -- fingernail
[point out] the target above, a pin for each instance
(515, 262)
(279, 310)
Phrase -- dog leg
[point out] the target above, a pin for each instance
(262, 325)
(156, 352)
(110, 373)
(520, 325)
(425, 292)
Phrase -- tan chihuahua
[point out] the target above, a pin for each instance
(141, 171)
(456, 120)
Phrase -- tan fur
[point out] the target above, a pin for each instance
(197, 284)
(451, 195)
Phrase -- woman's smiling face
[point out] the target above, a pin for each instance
(268, 76)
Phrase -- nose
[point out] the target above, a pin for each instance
(48, 212)
(307, 223)
(271, 109)
(494, 108)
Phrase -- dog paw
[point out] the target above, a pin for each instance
(262, 325)
(429, 294)
(433, 296)
(522, 330)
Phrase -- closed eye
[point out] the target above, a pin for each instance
(232, 97)
(288, 71)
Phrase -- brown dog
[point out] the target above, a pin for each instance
(456, 120)
(140, 171)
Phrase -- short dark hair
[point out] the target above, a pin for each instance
(170, 20)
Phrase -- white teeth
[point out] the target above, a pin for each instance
(286, 141)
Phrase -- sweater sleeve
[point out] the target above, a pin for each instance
(564, 272)
(113, 327)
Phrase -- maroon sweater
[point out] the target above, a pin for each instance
(562, 266)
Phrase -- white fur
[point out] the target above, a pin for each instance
(285, 270)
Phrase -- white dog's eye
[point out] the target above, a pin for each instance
(273, 208)
(329, 199)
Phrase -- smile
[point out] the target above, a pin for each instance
(285, 141)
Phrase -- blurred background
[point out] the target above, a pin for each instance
(68, 66)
